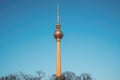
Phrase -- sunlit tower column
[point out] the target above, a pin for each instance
(58, 36)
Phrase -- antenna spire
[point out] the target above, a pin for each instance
(58, 13)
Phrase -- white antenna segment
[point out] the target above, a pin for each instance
(58, 13)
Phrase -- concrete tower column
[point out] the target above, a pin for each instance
(58, 59)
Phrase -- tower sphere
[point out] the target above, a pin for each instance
(58, 34)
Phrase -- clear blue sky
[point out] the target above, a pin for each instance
(91, 41)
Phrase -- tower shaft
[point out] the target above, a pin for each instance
(58, 59)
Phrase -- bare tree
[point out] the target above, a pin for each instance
(40, 74)
(53, 77)
(85, 76)
(25, 76)
(68, 76)
(9, 77)
(78, 78)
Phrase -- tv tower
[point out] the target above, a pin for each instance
(58, 35)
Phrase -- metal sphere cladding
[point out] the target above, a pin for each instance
(58, 34)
